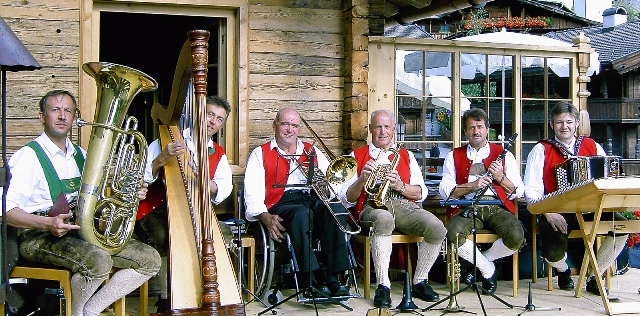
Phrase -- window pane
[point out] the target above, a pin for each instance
(423, 90)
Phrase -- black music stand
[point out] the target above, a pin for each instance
(312, 290)
(14, 56)
(471, 207)
(240, 225)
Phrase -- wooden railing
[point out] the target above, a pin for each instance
(620, 110)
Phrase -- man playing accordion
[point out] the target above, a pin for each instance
(540, 179)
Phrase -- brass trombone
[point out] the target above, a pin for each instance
(340, 170)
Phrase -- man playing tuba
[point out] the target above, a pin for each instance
(48, 170)
(398, 210)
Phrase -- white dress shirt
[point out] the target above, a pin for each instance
(415, 178)
(254, 178)
(534, 186)
(222, 176)
(511, 171)
(28, 188)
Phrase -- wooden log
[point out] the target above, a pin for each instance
(282, 87)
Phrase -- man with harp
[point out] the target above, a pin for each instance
(151, 222)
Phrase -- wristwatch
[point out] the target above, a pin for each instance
(403, 188)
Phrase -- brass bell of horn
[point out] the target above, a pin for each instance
(407, 303)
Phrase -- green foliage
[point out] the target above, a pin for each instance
(632, 9)
(476, 21)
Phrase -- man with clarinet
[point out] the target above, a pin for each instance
(482, 171)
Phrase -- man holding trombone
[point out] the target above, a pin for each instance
(387, 199)
(276, 192)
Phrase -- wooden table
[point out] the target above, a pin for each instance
(603, 195)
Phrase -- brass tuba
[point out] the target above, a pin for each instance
(113, 171)
(377, 186)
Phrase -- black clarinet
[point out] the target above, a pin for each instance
(481, 192)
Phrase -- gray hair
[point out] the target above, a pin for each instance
(376, 112)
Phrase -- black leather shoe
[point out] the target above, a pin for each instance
(338, 289)
(311, 293)
(491, 284)
(162, 304)
(383, 297)
(424, 292)
(467, 276)
(592, 287)
(564, 280)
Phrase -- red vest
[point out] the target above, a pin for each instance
(362, 156)
(463, 166)
(276, 169)
(553, 155)
(214, 159)
(156, 192)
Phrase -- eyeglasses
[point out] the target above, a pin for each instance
(287, 124)
(219, 119)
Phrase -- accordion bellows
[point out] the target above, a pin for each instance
(581, 169)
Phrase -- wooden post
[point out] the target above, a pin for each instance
(582, 41)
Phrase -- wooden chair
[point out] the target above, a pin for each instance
(396, 238)
(603, 228)
(63, 276)
(486, 236)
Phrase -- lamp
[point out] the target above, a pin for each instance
(13, 57)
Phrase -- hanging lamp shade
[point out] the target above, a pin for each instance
(13, 55)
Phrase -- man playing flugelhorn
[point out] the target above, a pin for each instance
(540, 179)
(469, 169)
(401, 210)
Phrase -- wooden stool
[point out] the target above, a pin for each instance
(396, 238)
(603, 228)
(63, 276)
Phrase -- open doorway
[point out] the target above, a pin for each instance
(151, 43)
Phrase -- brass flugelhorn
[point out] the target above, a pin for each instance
(116, 157)
(342, 169)
(453, 269)
(377, 185)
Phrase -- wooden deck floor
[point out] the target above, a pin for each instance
(625, 287)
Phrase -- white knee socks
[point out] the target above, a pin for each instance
(121, 283)
(427, 255)
(82, 288)
(560, 265)
(609, 251)
(381, 253)
(498, 250)
(486, 267)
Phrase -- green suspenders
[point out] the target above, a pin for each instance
(55, 184)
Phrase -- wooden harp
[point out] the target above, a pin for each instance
(201, 276)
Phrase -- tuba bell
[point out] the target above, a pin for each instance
(116, 157)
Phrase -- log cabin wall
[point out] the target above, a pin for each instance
(50, 31)
(296, 59)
